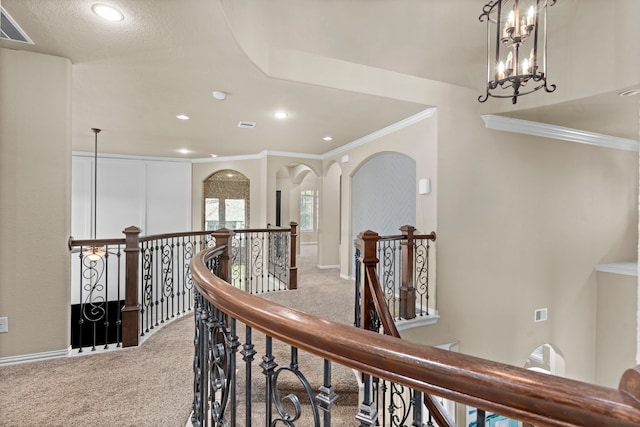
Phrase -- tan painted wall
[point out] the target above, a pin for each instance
(522, 222)
(617, 335)
(329, 235)
(35, 201)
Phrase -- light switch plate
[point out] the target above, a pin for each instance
(4, 324)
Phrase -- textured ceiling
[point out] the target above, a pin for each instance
(132, 78)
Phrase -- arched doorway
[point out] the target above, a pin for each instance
(226, 200)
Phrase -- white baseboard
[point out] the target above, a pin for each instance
(22, 358)
(346, 277)
(327, 267)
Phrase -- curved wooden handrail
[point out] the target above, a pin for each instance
(540, 399)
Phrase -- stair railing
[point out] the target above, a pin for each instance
(376, 315)
(532, 397)
(404, 273)
(124, 289)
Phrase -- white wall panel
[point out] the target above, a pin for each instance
(168, 197)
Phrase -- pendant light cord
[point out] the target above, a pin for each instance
(95, 183)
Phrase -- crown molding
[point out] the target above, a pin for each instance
(424, 114)
(545, 130)
(129, 157)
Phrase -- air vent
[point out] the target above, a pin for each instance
(540, 315)
(10, 30)
(247, 125)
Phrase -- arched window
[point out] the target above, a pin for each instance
(226, 200)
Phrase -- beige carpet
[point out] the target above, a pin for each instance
(152, 385)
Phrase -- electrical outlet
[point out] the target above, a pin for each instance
(4, 324)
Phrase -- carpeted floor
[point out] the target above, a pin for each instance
(152, 385)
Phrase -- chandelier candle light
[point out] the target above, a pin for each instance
(517, 36)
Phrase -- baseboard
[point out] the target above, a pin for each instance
(327, 267)
(346, 277)
(34, 357)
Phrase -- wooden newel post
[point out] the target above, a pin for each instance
(131, 309)
(293, 268)
(223, 237)
(407, 290)
(369, 259)
(630, 385)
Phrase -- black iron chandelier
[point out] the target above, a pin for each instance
(516, 47)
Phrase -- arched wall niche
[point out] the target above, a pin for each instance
(383, 193)
(545, 358)
(226, 200)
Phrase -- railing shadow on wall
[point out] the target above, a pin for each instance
(220, 398)
(125, 289)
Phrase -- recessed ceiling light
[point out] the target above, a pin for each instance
(182, 117)
(219, 95)
(281, 115)
(631, 92)
(327, 138)
(107, 12)
(214, 155)
(183, 151)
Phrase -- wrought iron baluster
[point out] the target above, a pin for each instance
(146, 310)
(248, 352)
(358, 285)
(399, 405)
(481, 417)
(416, 404)
(174, 282)
(327, 396)
(106, 297)
(232, 344)
(188, 280)
(80, 318)
(198, 416)
(283, 416)
(268, 366)
(257, 258)
(155, 280)
(421, 262)
(367, 414)
(120, 305)
(93, 300)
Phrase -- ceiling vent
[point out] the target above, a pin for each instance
(247, 125)
(10, 30)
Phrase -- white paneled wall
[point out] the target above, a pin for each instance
(154, 195)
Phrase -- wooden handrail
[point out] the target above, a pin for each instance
(102, 242)
(540, 399)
